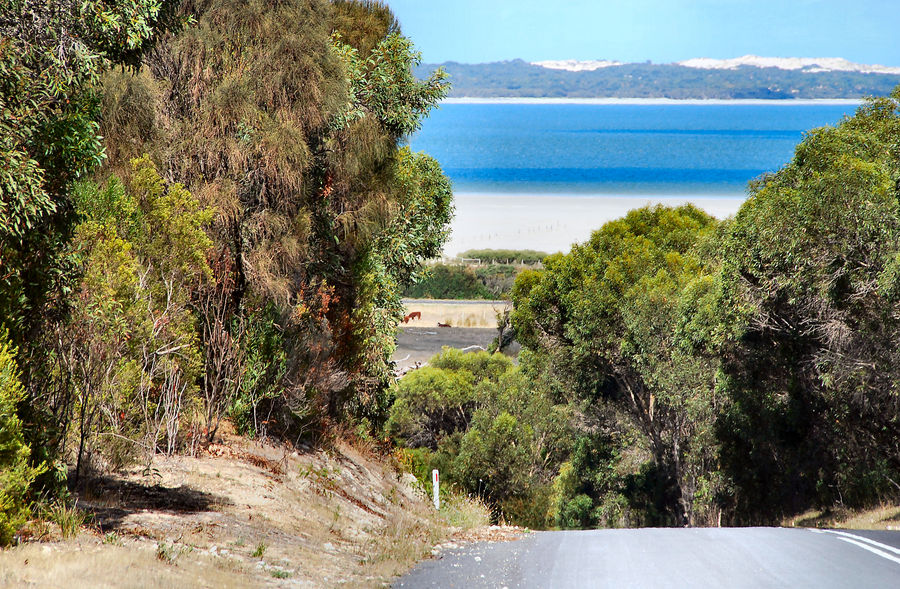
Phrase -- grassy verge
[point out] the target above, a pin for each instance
(411, 537)
(885, 517)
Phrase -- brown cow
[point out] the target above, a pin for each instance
(411, 316)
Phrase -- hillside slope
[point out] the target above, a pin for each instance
(244, 514)
(519, 78)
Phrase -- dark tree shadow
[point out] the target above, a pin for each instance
(111, 500)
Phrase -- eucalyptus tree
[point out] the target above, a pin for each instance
(811, 305)
(606, 318)
(52, 53)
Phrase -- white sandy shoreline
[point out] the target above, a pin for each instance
(552, 222)
(659, 101)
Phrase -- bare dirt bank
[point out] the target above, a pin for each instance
(245, 514)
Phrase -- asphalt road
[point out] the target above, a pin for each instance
(419, 344)
(757, 558)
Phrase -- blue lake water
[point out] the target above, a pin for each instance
(616, 149)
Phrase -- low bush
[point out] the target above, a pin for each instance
(16, 475)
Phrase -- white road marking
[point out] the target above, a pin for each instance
(864, 543)
(866, 540)
(872, 549)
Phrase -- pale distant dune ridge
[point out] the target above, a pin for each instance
(573, 65)
(807, 64)
(810, 65)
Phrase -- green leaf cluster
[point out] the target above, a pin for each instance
(486, 427)
(52, 53)
(16, 474)
(131, 333)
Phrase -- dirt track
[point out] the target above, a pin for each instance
(418, 344)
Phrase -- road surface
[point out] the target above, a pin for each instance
(755, 558)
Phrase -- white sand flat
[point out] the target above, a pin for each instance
(551, 223)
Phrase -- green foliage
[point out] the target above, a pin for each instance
(742, 369)
(490, 452)
(264, 368)
(607, 316)
(320, 214)
(604, 483)
(67, 516)
(51, 56)
(128, 356)
(464, 282)
(383, 86)
(415, 232)
(16, 475)
(479, 420)
(810, 347)
(494, 256)
(431, 403)
(260, 550)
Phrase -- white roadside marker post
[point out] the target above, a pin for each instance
(435, 484)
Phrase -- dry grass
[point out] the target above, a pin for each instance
(885, 517)
(88, 565)
(411, 537)
(456, 314)
(465, 513)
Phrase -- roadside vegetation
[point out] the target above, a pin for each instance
(208, 215)
(681, 370)
(481, 275)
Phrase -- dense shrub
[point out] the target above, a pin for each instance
(449, 282)
(16, 475)
(810, 305)
(491, 282)
(742, 370)
(479, 420)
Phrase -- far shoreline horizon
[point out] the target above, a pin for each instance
(654, 101)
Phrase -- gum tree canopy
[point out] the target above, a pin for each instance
(811, 300)
(52, 53)
(288, 120)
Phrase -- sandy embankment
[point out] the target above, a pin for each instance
(551, 223)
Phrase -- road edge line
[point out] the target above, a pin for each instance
(866, 540)
(871, 549)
